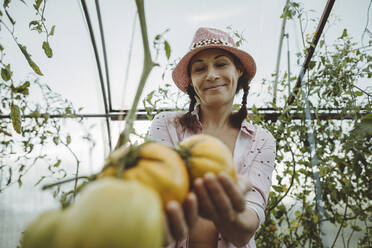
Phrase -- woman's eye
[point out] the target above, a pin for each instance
(199, 69)
(221, 64)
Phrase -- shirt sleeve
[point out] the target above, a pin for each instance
(260, 173)
(160, 129)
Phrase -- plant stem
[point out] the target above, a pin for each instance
(47, 186)
(147, 67)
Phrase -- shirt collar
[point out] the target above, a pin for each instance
(246, 127)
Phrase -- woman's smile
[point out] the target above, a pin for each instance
(215, 87)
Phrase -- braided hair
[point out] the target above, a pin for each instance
(237, 118)
(188, 120)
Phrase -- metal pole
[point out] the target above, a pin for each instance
(129, 59)
(289, 65)
(104, 54)
(99, 69)
(266, 113)
(314, 162)
(279, 55)
(311, 49)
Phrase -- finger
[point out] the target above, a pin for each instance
(234, 192)
(220, 198)
(176, 220)
(206, 207)
(168, 239)
(191, 210)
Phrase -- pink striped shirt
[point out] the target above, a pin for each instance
(254, 156)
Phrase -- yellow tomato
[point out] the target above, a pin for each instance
(204, 153)
(41, 231)
(112, 213)
(155, 165)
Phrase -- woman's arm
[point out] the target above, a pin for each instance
(224, 202)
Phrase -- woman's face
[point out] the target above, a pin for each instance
(214, 77)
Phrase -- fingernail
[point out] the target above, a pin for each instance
(209, 175)
(223, 174)
(191, 196)
(198, 181)
(172, 204)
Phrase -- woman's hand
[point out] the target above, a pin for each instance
(220, 198)
(180, 219)
(222, 201)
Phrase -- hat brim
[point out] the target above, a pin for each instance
(182, 79)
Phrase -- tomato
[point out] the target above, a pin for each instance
(41, 231)
(112, 213)
(153, 164)
(204, 153)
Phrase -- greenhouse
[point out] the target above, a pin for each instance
(185, 123)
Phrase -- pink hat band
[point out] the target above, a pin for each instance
(206, 38)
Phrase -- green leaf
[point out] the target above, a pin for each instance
(356, 228)
(57, 163)
(46, 117)
(10, 176)
(149, 96)
(68, 139)
(51, 33)
(359, 93)
(15, 115)
(167, 49)
(6, 74)
(55, 140)
(19, 182)
(344, 34)
(23, 89)
(6, 3)
(48, 51)
(278, 188)
(34, 66)
(37, 4)
(321, 43)
(9, 17)
(311, 64)
(33, 23)
(1, 48)
(41, 179)
(35, 114)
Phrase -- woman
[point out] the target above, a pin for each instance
(218, 213)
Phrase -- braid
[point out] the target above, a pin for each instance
(188, 121)
(236, 119)
(245, 94)
(191, 92)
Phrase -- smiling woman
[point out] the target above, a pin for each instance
(219, 212)
(214, 77)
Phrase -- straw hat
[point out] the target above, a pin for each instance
(206, 38)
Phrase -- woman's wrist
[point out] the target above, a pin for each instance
(241, 229)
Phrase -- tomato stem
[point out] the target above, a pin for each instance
(147, 67)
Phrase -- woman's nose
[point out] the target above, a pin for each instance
(212, 74)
